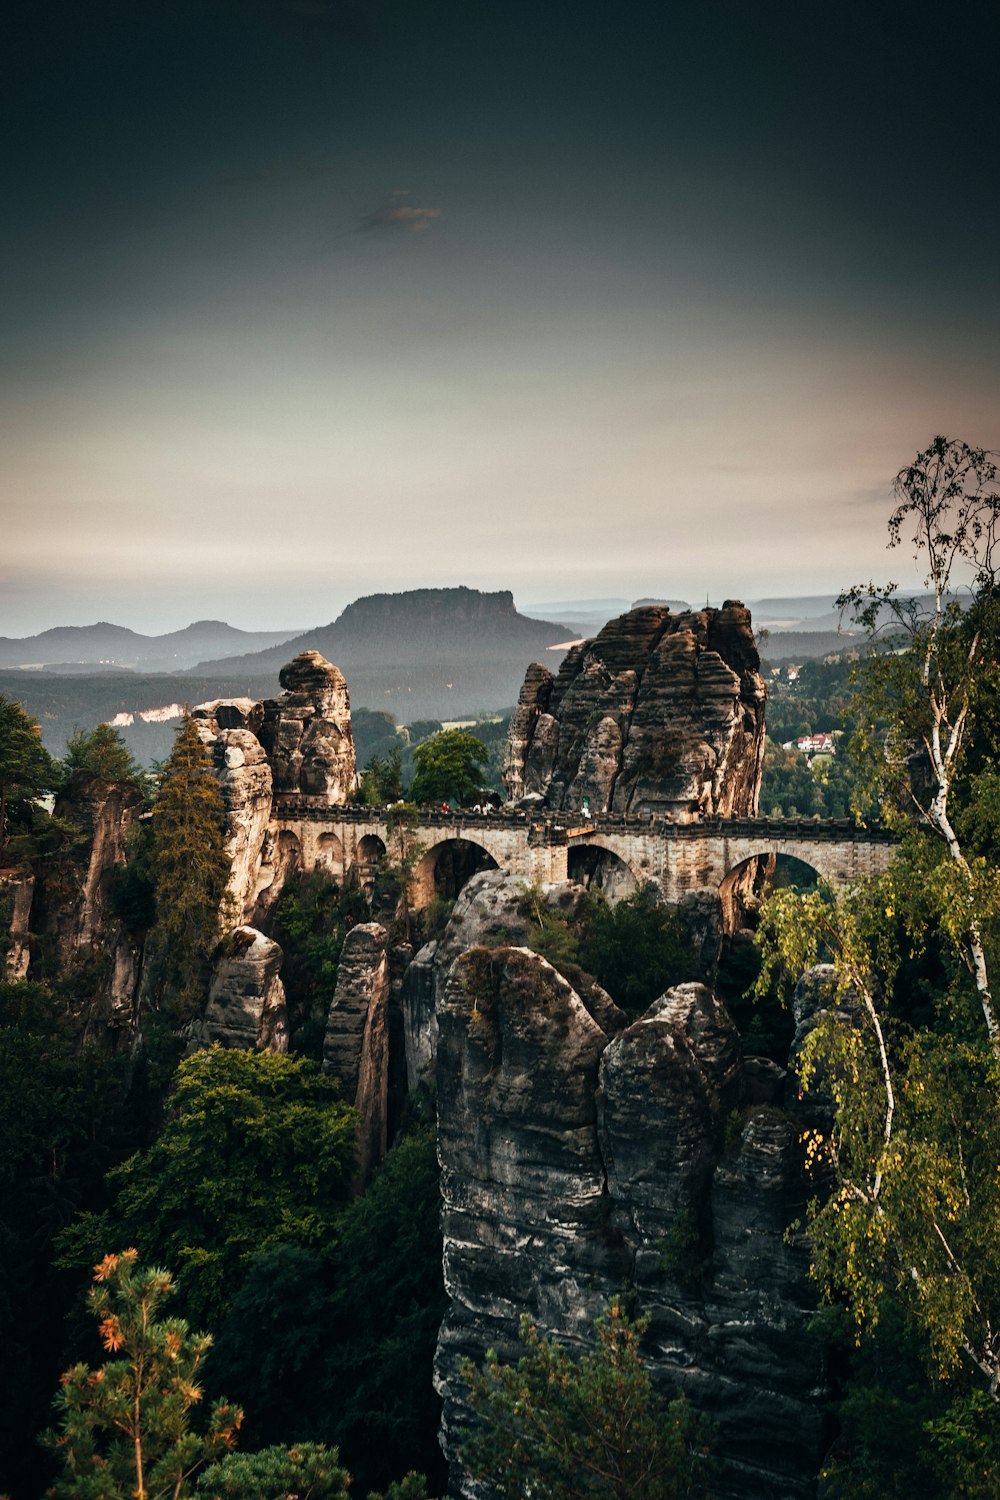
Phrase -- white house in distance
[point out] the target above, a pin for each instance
(814, 744)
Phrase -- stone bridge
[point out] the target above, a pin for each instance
(619, 852)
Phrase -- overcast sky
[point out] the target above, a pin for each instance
(304, 299)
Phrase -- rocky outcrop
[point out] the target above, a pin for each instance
(246, 999)
(74, 913)
(74, 926)
(228, 728)
(522, 730)
(356, 1042)
(307, 733)
(660, 713)
(16, 893)
(522, 1175)
(668, 1085)
(573, 1162)
(492, 908)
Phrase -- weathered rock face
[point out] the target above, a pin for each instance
(523, 727)
(490, 909)
(572, 1162)
(246, 999)
(16, 893)
(307, 733)
(72, 912)
(522, 1176)
(356, 1043)
(75, 907)
(227, 727)
(660, 713)
(669, 1083)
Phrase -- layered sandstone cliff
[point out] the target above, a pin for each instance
(574, 1162)
(660, 713)
(307, 733)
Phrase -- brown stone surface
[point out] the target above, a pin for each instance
(356, 1043)
(16, 894)
(246, 999)
(71, 913)
(227, 728)
(659, 713)
(307, 733)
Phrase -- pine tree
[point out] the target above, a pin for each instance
(189, 868)
(557, 1428)
(125, 1428)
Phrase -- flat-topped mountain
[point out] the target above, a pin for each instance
(68, 647)
(418, 625)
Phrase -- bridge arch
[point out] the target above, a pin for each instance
(446, 866)
(597, 867)
(330, 855)
(369, 853)
(745, 884)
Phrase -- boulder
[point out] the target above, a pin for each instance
(492, 908)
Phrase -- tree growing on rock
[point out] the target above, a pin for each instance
(189, 868)
(26, 771)
(557, 1428)
(103, 753)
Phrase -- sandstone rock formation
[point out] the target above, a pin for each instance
(76, 901)
(492, 908)
(246, 999)
(307, 733)
(228, 728)
(660, 713)
(522, 1176)
(572, 1162)
(71, 914)
(16, 894)
(356, 1043)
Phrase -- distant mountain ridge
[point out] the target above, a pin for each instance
(104, 644)
(417, 626)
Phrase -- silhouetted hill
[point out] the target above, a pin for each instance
(68, 648)
(418, 626)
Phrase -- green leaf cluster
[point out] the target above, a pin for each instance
(451, 767)
(63, 1121)
(26, 772)
(125, 1428)
(635, 949)
(189, 869)
(256, 1151)
(557, 1428)
(102, 752)
(309, 1471)
(332, 1341)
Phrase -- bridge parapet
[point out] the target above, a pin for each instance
(539, 845)
(836, 830)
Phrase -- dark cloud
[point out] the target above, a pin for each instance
(396, 216)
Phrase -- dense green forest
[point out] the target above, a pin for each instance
(225, 1175)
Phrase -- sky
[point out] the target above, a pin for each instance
(308, 299)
